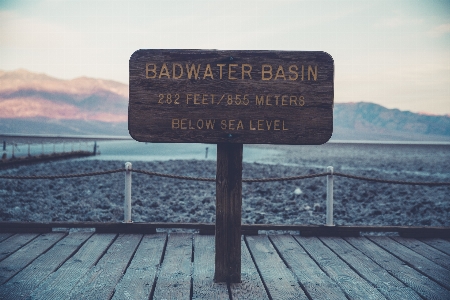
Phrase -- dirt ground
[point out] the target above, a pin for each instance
(158, 199)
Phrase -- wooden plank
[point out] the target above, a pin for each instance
(8, 246)
(440, 244)
(251, 286)
(315, 282)
(174, 280)
(228, 213)
(278, 279)
(350, 282)
(139, 279)
(425, 250)
(22, 284)
(387, 284)
(26, 254)
(423, 285)
(203, 276)
(60, 283)
(415, 260)
(4, 236)
(100, 281)
(148, 226)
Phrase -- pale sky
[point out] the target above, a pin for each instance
(394, 53)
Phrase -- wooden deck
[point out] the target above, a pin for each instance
(88, 265)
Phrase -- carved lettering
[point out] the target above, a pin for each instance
(280, 73)
(293, 69)
(189, 124)
(231, 71)
(208, 72)
(259, 100)
(147, 70)
(174, 71)
(266, 69)
(193, 70)
(196, 71)
(312, 72)
(246, 69)
(286, 100)
(221, 69)
(164, 71)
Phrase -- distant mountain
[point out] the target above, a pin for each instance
(369, 121)
(39, 104)
(28, 95)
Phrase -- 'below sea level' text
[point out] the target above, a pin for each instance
(230, 124)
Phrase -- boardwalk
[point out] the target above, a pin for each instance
(88, 265)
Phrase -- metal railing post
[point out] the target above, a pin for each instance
(329, 197)
(127, 204)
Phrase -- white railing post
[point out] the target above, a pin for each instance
(330, 197)
(127, 204)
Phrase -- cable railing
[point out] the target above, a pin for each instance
(128, 171)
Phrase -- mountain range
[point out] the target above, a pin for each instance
(34, 103)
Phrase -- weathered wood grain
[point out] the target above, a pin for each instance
(350, 282)
(140, 276)
(278, 279)
(423, 285)
(315, 282)
(71, 267)
(60, 283)
(425, 250)
(415, 260)
(144, 227)
(228, 213)
(309, 122)
(251, 286)
(203, 283)
(100, 281)
(13, 243)
(26, 254)
(390, 286)
(4, 236)
(174, 279)
(440, 244)
(23, 283)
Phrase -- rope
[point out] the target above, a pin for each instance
(284, 178)
(213, 179)
(174, 176)
(62, 176)
(391, 181)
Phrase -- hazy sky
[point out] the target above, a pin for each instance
(394, 53)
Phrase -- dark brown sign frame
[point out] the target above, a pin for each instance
(243, 97)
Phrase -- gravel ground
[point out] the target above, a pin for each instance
(157, 199)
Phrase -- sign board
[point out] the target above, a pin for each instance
(246, 97)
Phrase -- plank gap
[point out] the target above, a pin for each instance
(257, 269)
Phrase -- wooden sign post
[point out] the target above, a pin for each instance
(231, 98)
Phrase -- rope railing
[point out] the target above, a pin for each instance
(128, 170)
(249, 180)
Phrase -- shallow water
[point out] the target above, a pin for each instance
(136, 151)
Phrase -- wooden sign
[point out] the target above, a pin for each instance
(246, 97)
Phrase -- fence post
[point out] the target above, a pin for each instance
(127, 204)
(330, 197)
